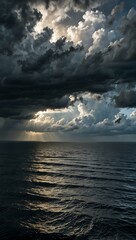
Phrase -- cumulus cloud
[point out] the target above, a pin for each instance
(86, 117)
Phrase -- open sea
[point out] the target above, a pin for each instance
(67, 191)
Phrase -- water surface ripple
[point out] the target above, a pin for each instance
(71, 191)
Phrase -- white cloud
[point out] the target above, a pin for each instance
(92, 20)
(86, 116)
(133, 115)
(91, 31)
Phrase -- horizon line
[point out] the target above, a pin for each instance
(33, 141)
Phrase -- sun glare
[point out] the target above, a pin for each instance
(35, 136)
(41, 136)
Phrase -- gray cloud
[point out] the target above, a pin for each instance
(126, 98)
(36, 74)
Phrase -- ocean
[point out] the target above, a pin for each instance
(67, 191)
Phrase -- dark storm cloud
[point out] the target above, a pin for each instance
(36, 74)
(16, 19)
(37, 86)
(125, 49)
(48, 57)
(115, 11)
(126, 99)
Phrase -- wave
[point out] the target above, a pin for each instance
(68, 192)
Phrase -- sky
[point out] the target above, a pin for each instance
(68, 70)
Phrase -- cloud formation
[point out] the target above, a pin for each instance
(86, 117)
(50, 50)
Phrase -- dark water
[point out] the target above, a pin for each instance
(65, 191)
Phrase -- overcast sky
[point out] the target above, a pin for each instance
(68, 70)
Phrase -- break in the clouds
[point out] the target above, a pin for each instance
(68, 66)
